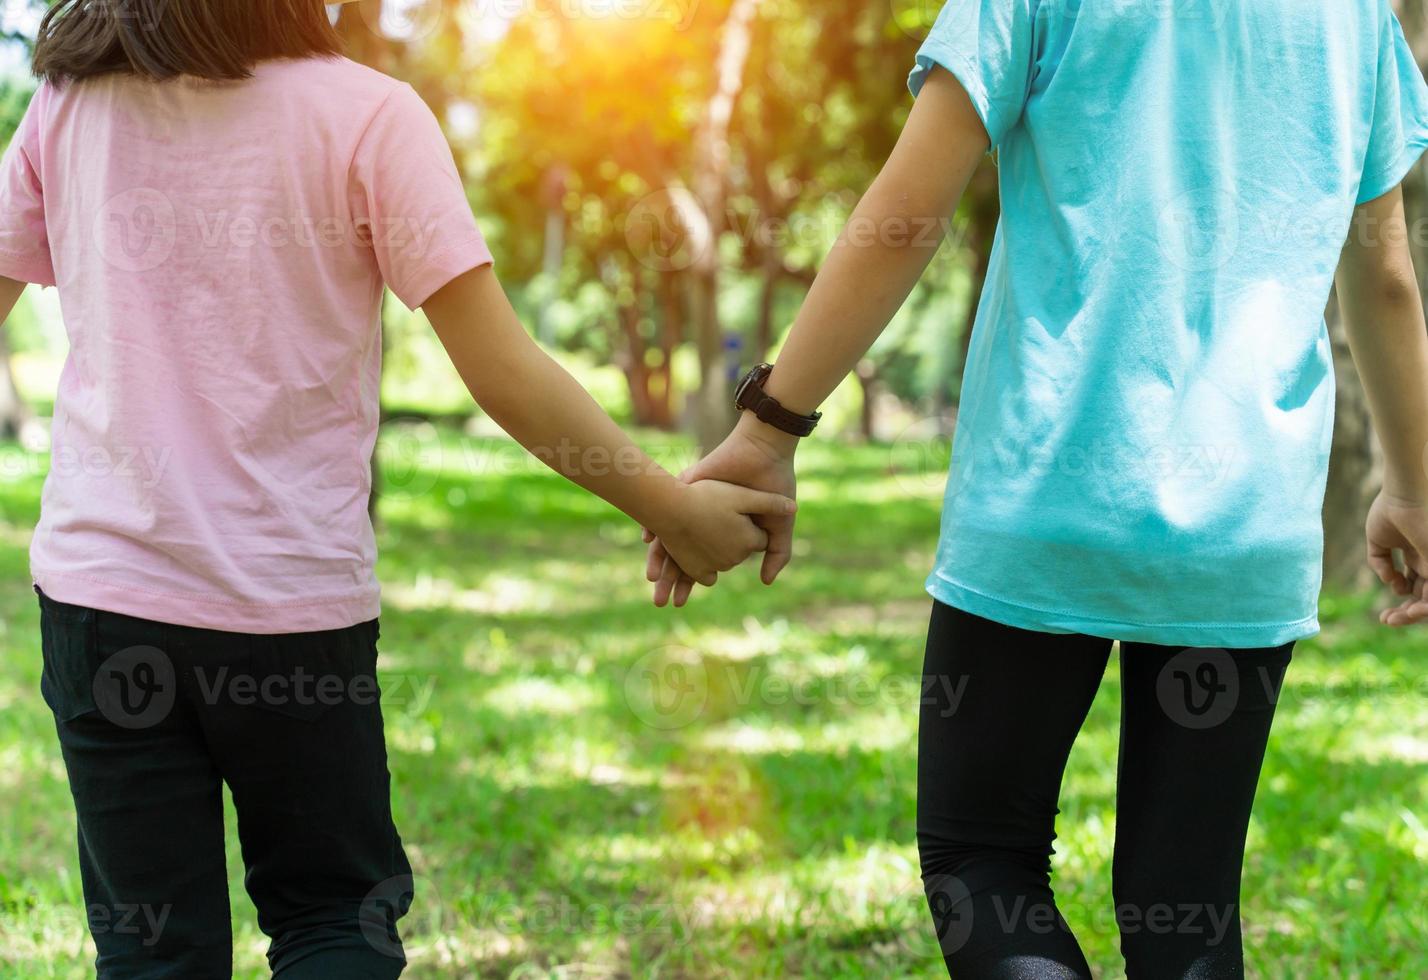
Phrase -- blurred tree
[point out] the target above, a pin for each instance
(15, 414)
(602, 110)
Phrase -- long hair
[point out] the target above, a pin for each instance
(161, 39)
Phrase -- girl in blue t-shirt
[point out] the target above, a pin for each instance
(1142, 448)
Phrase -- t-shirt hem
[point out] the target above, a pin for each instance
(442, 269)
(1379, 184)
(1228, 636)
(210, 612)
(23, 269)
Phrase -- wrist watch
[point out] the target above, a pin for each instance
(751, 397)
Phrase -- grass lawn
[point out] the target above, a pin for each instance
(752, 815)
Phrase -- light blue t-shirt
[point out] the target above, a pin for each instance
(1143, 443)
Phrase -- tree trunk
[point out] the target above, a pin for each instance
(867, 375)
(1354, 471)
(983, 213)
(715, 404)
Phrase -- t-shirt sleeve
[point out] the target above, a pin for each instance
(1400, 113)
(989, 45)
(24, 237)
(408, 195)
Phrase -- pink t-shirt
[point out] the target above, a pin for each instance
(220, 251)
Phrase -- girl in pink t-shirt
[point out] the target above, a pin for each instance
(220, 199)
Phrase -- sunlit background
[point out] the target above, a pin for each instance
(593, 788)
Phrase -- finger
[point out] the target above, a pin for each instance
(683, 591)
(1380, 559)
(1416, 562)
(778, 554)
(664, 587)
(758, 540)
(767, 504)
(654, 560)
(1410, 613)
(1397, 618)
(648, 535)
(1406, 613)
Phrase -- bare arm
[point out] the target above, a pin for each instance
(893, 234)
(1383, 314)
(545, 409)
(891, 237)
(10, 291)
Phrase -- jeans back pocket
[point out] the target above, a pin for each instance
(69, 645)
(304, 676)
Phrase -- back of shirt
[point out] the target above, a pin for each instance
(220, 251)
(1147, 413)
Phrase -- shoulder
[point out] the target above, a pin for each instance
(337, 82)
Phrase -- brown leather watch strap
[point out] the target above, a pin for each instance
(751, 397)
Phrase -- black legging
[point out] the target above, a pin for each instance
(1000, 710)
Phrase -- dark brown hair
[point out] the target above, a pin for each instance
(161, 39)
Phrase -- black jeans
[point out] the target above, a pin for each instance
(153, 720)
(1001, 708)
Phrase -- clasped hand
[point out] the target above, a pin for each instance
(744, 460)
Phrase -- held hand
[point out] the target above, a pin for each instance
(715, 529)
(753, 458)
(1397, 524)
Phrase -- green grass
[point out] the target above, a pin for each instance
(561, 825)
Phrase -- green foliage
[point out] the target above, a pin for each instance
(771, 835)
